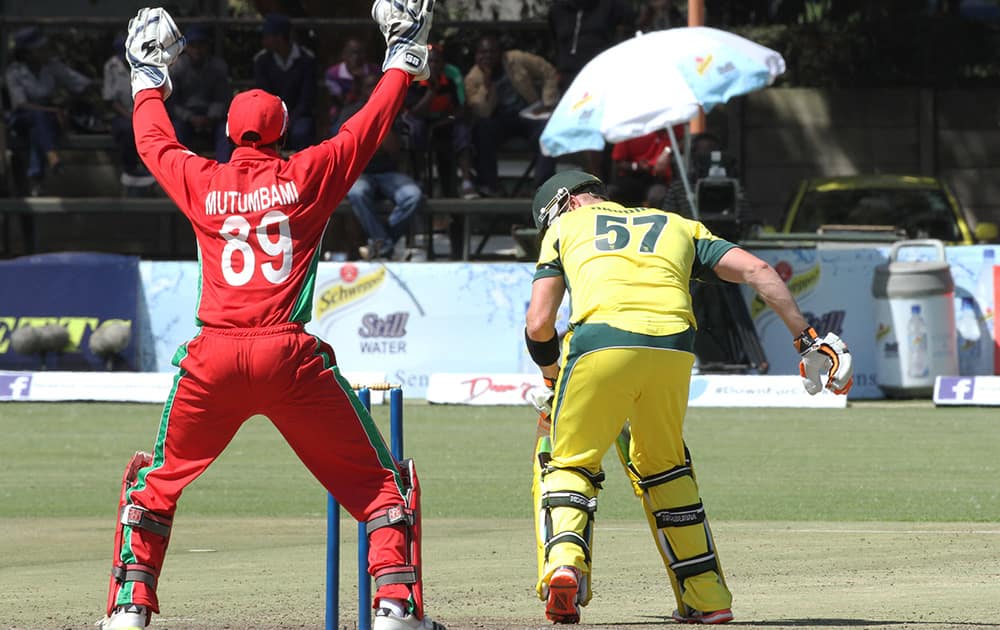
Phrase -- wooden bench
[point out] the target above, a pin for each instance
(73, 141)
(153, 227)
(90, 167)
(150, 228)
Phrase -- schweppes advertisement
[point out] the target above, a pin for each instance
(413, 319)
(349, 289)
(69, 311)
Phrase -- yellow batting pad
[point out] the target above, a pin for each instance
(685, 546)
(542, 447)
(564, 517)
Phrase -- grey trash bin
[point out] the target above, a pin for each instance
(915, 322)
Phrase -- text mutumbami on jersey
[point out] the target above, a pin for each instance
(263, 198)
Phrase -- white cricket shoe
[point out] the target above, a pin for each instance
(130, 617)
(386, 619)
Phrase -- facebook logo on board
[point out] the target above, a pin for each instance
(953, 388)
(14, 386)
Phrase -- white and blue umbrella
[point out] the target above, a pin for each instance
(655, 81)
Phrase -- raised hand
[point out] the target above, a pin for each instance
(405, 24)
(153, 43)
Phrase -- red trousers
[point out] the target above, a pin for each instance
(225, 377)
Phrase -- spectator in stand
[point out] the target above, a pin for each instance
(642, 168)
(202, 91)
(436, 118)
(658, 15)
(288, 71)
(382, 179)
(500, 87)
(582, 29)
(341, 78)
(42, 90)
(117, 93)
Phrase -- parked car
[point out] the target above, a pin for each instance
(897, 206)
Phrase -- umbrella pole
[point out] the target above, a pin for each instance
(684, 177)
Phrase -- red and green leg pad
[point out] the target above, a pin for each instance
(141, 539)
(406, 519)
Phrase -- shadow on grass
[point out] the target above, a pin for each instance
(866, 623)
(816, 623)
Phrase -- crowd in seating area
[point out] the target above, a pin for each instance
(448, 138)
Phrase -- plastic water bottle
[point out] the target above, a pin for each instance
(969, 338)
(918, 366)
(716, 169)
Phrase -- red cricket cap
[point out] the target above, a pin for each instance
(259, 112)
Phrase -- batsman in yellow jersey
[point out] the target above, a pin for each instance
(626, 361)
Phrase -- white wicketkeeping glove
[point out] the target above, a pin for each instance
(827, 357)
(405, 24)
(153, 44)
(542, 397)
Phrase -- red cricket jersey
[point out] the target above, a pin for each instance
(259, 219)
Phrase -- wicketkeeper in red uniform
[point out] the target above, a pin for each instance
(259, 221)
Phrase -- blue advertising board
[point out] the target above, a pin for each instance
(80, 292)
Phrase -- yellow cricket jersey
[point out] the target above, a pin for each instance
(629, 268)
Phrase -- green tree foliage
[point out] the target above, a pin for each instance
(877, 49)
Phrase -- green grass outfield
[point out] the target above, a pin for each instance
(878, 515)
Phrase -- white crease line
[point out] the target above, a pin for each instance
(986, 532)
(885, 531)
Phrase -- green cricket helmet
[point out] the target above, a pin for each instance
(552, 197)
